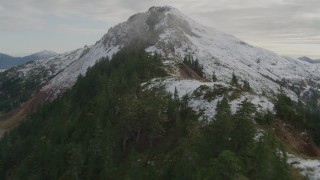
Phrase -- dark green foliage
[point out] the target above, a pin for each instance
(107, 127)
(210, 94)
(214, 77)
(246, 86)
(310, 112)
(284, 107)
(97, 118)
(244, 130)
(223, 124)
(226, 166)
(234, 80)
(303, 114)
(16, 89)
(228, 141)
(270, 160)
(264, 118)
(194, 64)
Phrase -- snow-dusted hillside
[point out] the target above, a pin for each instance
(60, 72)
(308, 167)
(224, 54)
(71, 65)
(204, 96)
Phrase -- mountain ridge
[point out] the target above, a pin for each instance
(309, 60)
(7, 61)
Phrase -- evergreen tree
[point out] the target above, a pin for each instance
(226, 166)
(270, 160)
(284, 107)
(214, 77)
(234, 80)
(194, 64)
(246, 85)
(223, 125)
(175, 95)
(244, 129)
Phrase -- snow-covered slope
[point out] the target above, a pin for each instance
(60, 72)
(71, 65)
(204, 96)
(308, 167)
(225, 54)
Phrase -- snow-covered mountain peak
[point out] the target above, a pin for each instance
(168, 31)
(148, 26)
(165, 8)
(166, 11)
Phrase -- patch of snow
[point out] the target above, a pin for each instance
(259, 134)
(207, 108)
(183, 86)
(199, 104)
(308, 167)
(261, 103)
(153, 49)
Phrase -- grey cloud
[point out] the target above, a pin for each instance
(279, 22)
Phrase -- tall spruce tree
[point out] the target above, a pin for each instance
(214, 77)
(244, 128)
(223, 124)
(226, 166)
(270, 161)
(244, 131)
(234, 80)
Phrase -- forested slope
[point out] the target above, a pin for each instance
(109, 127)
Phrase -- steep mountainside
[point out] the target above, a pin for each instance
(166, 31)
(205, 69)
(7, 61)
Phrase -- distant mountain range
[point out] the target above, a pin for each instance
(309, 60)
(7, 61)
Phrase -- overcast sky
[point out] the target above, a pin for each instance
(288, 27)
